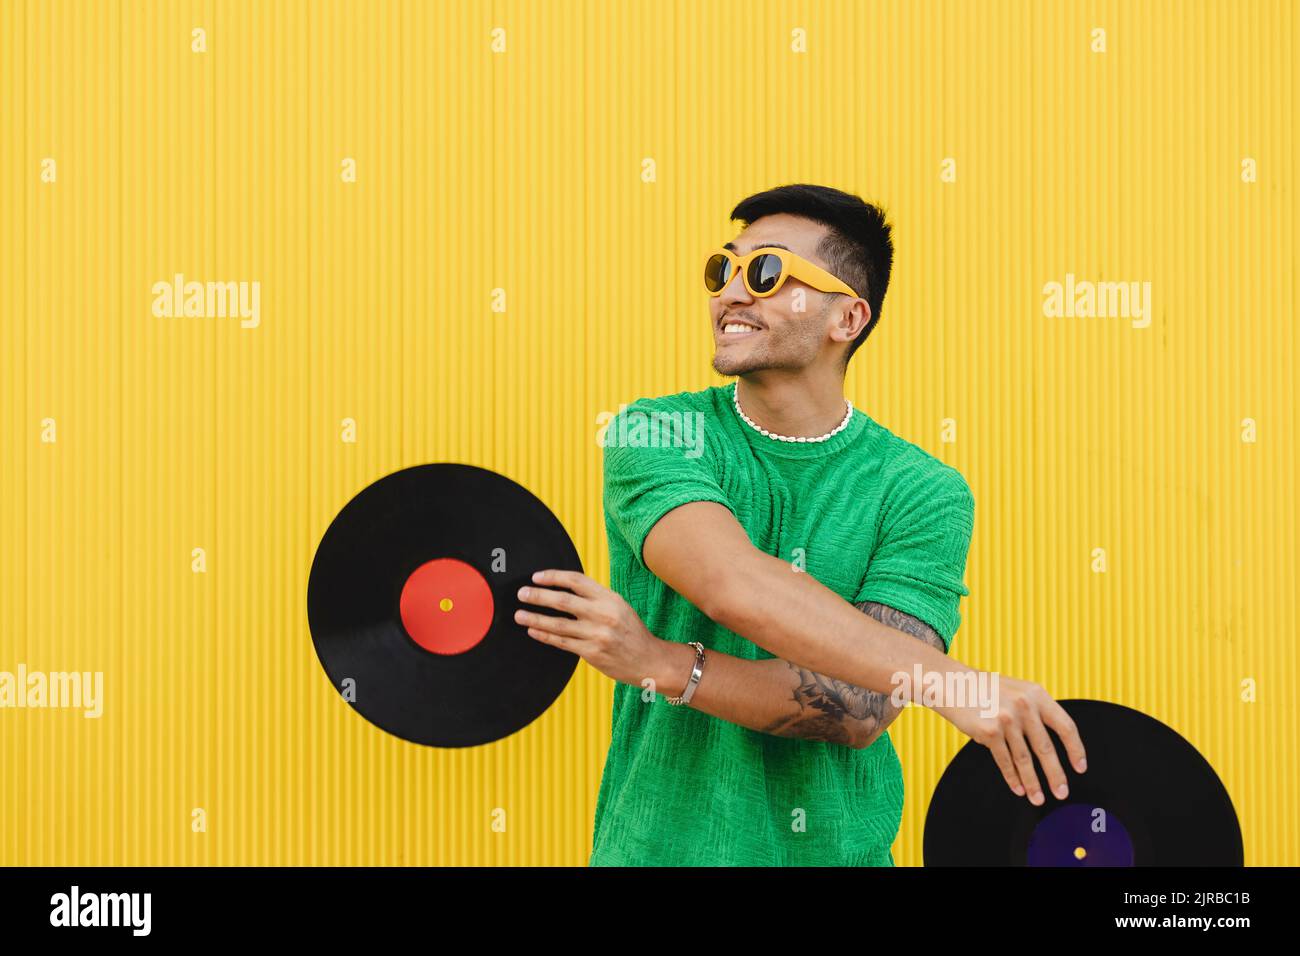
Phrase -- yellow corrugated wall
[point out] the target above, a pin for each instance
(580, 157)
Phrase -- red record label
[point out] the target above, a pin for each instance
(446, 606)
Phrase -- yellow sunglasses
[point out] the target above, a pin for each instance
(764, 270)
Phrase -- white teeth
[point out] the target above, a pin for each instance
(732, 328)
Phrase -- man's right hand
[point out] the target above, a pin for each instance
(1018, 732)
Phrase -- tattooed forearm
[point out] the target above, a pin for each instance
(834, 711)
(829, 709)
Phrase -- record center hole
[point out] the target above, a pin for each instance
(445, 604)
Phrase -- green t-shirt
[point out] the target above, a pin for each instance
(871, 516)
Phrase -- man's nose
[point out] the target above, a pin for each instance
(734, 291)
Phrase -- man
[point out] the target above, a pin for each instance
(777, 559)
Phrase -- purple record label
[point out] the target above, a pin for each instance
(1078, 834)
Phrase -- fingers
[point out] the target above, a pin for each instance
(1002, 757)
(546, 597)
(1056, 717)
(546, 637)
(1019, 736)
(1024, 761)
(561, 626)
(1025, 738)
(578, 604)
(1045, 750)
(575, 581)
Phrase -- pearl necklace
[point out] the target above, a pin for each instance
(848, 415)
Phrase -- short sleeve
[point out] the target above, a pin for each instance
(655, 461)
(919, 561)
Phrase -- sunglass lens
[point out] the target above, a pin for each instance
(764, 272)
(717, 271)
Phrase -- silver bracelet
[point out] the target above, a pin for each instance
(696, 672)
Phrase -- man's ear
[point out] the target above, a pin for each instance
(850, 323)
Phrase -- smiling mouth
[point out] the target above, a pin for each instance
(736, 330)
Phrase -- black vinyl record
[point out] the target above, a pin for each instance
(1147, 798)
(411, 603)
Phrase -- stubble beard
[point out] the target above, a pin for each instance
(783, 353)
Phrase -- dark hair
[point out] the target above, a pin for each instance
(857, 250)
